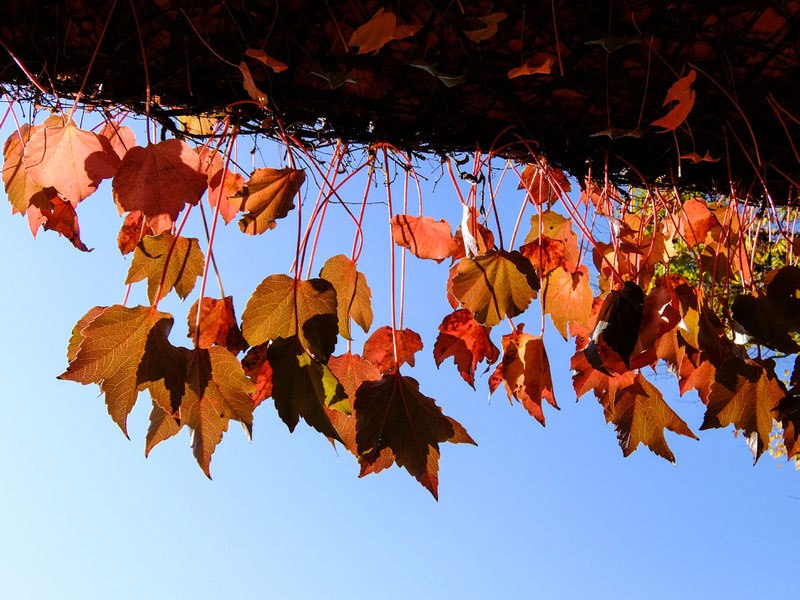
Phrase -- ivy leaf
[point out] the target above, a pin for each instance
(268, 196)
(111, 347)
(283, 307)
(132, 230)
(258, 370)
(424, 236)
(381, 29)
(467, 341)
(218, 325)
(525, 371)
(379, 348)
(394, 414)
(352, 293)
(567, 297)
(159, 180)
(69, 159)
(150, 260)
(744, 394)
(303, 387)
(640, 415)
(490, 27)
(682, 93)
(494, 286)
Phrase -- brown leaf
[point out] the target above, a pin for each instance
(567, 297)
(162, 426)
(268, 196)
(218, 325)
(352, 293)
(283, 307)
(467, 341)
(490, 27)
(272, 63)
(181, 259)
(494, 286)
(525, 371)
(251, 88)
(424, 236)
(394, 414)
(532, 66)
(787, 412)
(62, 218)
(381, 29)
(617, 325)
(682, 93)
(640, 415)
(258, 370)
(379, 348)
(133, 229)
(159, 180)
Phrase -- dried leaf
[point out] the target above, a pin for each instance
(268, 196)
(272, 63)
(251, 88)
(532, 66)
(258, 370)
(133, 229)
(490, 27)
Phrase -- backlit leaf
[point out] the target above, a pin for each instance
(132, 230)
(120, 137)
(682, 93)
(567, 297)
(532, 66)
(617, 325)
(351, 370)
(251, 88)
(268, 196)
(258, 370)
(218, 325)
(545, 254)
(352, 293)
(381, 29)
(272, 63)
(379, 349)
(467, 341)
(424, 236)
(543, 184)
(61, 217)
(556, 227)
(490, 27)
(22, 191)
(180, 257)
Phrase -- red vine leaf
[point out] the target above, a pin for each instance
(61, 217)
(351, 370)
(467, 341)
(352, 293)
(640, 415)
(226, 190)
(120, 138)
(132, 230)
(556, 227)
(617, 326)
(381, 29)
(744, 394)
(424, 236)
(282, 307)
(787, 412)
(586, 378)
(543, 184)
(394, 414)
(696, 220)
(490, 27)
(545, 254)
(251, 88)
(258, 370)
(159, 180)
(379, 348)
(21, 190)
(567, 297)
(525, 371)
(494, 286)
(268, 196)
(682, 93)
(178, 262)
(272, 63)
(218, 325)
(532, 66)
(162, 426)
(479, 238)
(304, 387)
(69, 159)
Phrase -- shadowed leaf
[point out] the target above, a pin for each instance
(152, 257)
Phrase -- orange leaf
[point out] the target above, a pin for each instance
(62, 218)
(525, 371)
(467, 341)
(251, 88)
(532, 67)
(268, 196)
(120, 138)
(543, 185)
(159, 180)
(180, 258)
(132, 230)
(696, 220)
(424, 236)
(479, 238)
(258, 370)
(494, 286)
(214, 166)
(351, 370)
(22, 191)
(281, 307)
(682, 93)
(556, 227)
(381, 29)
(272, 63)
(352, 293)
(69, 159)
(379, 348)
(545, 254)
(567, 297)
(490, 27)
(218, 325)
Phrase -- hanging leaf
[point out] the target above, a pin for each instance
(120, 138)
(258, 370)
(567, 297)
(494, 286)
(351, 370)
(525, 371)
(379, 349)
(617, 325)
(251, 88)
(352, 293)
(532, 66)
(21, 190)
(381, 29)
(424, 236)
(268, 196)
(787, 412)
(467, 341)
(488, 30)
(61, 217)
(556, 227)
(272, 63)
(682, 93)
(133, 229)
(159, 180)
(543, 184)
(225, 190)
(282, 307)
(545, 254)
(472, 239)
(696, 220)
(162, 426)
(176, 261)
(218, 325)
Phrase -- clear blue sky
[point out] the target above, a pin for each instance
(532, 512)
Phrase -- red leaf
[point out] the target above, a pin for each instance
(532, 66)
(159, 180)
(258, 370)
(251, 88)
(62, 218)
(22, 191)
(132, 230)
(227, 191)
(480, 239)
(120, 138)
(218, 325)
(543, 184)
(696, 220)
(424, 236)
(351, 370)
(379, 348)
(682, 93)
(272, 63)
(467, 341)
(545, 254)
(556, 227)
(381, 29)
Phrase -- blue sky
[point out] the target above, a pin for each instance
(553, 512)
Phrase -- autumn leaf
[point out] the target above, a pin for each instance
(223, 190)
(159, 180)
(783, 292)
(764, 323)
(424, 236)
(69, 159)
(379, 349)
(268, 196)
(272, 63)
(555, 227)
(120, 138)
(682, 93)
(132, 230)
(696, 158)
(471, 238)
(351, 370)
(543, 184)
(61, 217)
(250, 86)
(394, 414)
(787, 412)
(488, 30)
(545, 254)
(258, 370)
(303, 387)
(21, 190)
(283, 307)
(162, 426)
(744, 394)
(352, 293)
(640, 415)
(532, 66)
(696, 220)
(178, 262)
(525, 371)
(494, 286)
(218, 325)
(110, 351)
(567, 297)
(617, 326)
(381, 29)
(586, 378)
(467, 341)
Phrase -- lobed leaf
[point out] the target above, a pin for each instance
(352, 293)
(268, 196)
(178, 262)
